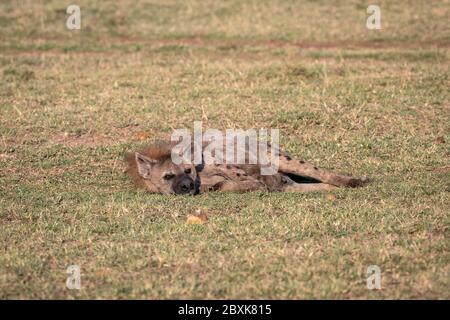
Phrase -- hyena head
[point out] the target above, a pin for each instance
(163, 176)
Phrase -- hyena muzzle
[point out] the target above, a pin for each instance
(153, 169)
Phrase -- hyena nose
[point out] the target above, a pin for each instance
(186, 185)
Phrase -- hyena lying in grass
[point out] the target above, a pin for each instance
(152, 168)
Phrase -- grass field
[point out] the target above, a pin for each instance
(359, 101)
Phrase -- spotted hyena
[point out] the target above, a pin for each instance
(152, 168)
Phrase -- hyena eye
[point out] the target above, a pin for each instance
(168, 176)
(187, 171)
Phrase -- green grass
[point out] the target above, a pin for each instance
(358, 101)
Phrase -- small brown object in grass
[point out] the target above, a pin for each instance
(198, 218)
(142, 135)
(439, 140)
(331, 197)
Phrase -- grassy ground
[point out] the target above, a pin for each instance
(364, 102)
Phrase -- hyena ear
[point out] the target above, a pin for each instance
(144, 165)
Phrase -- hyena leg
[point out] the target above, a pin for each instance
(241, 186)
(213, 180)
(302, 168)
(308, 187)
